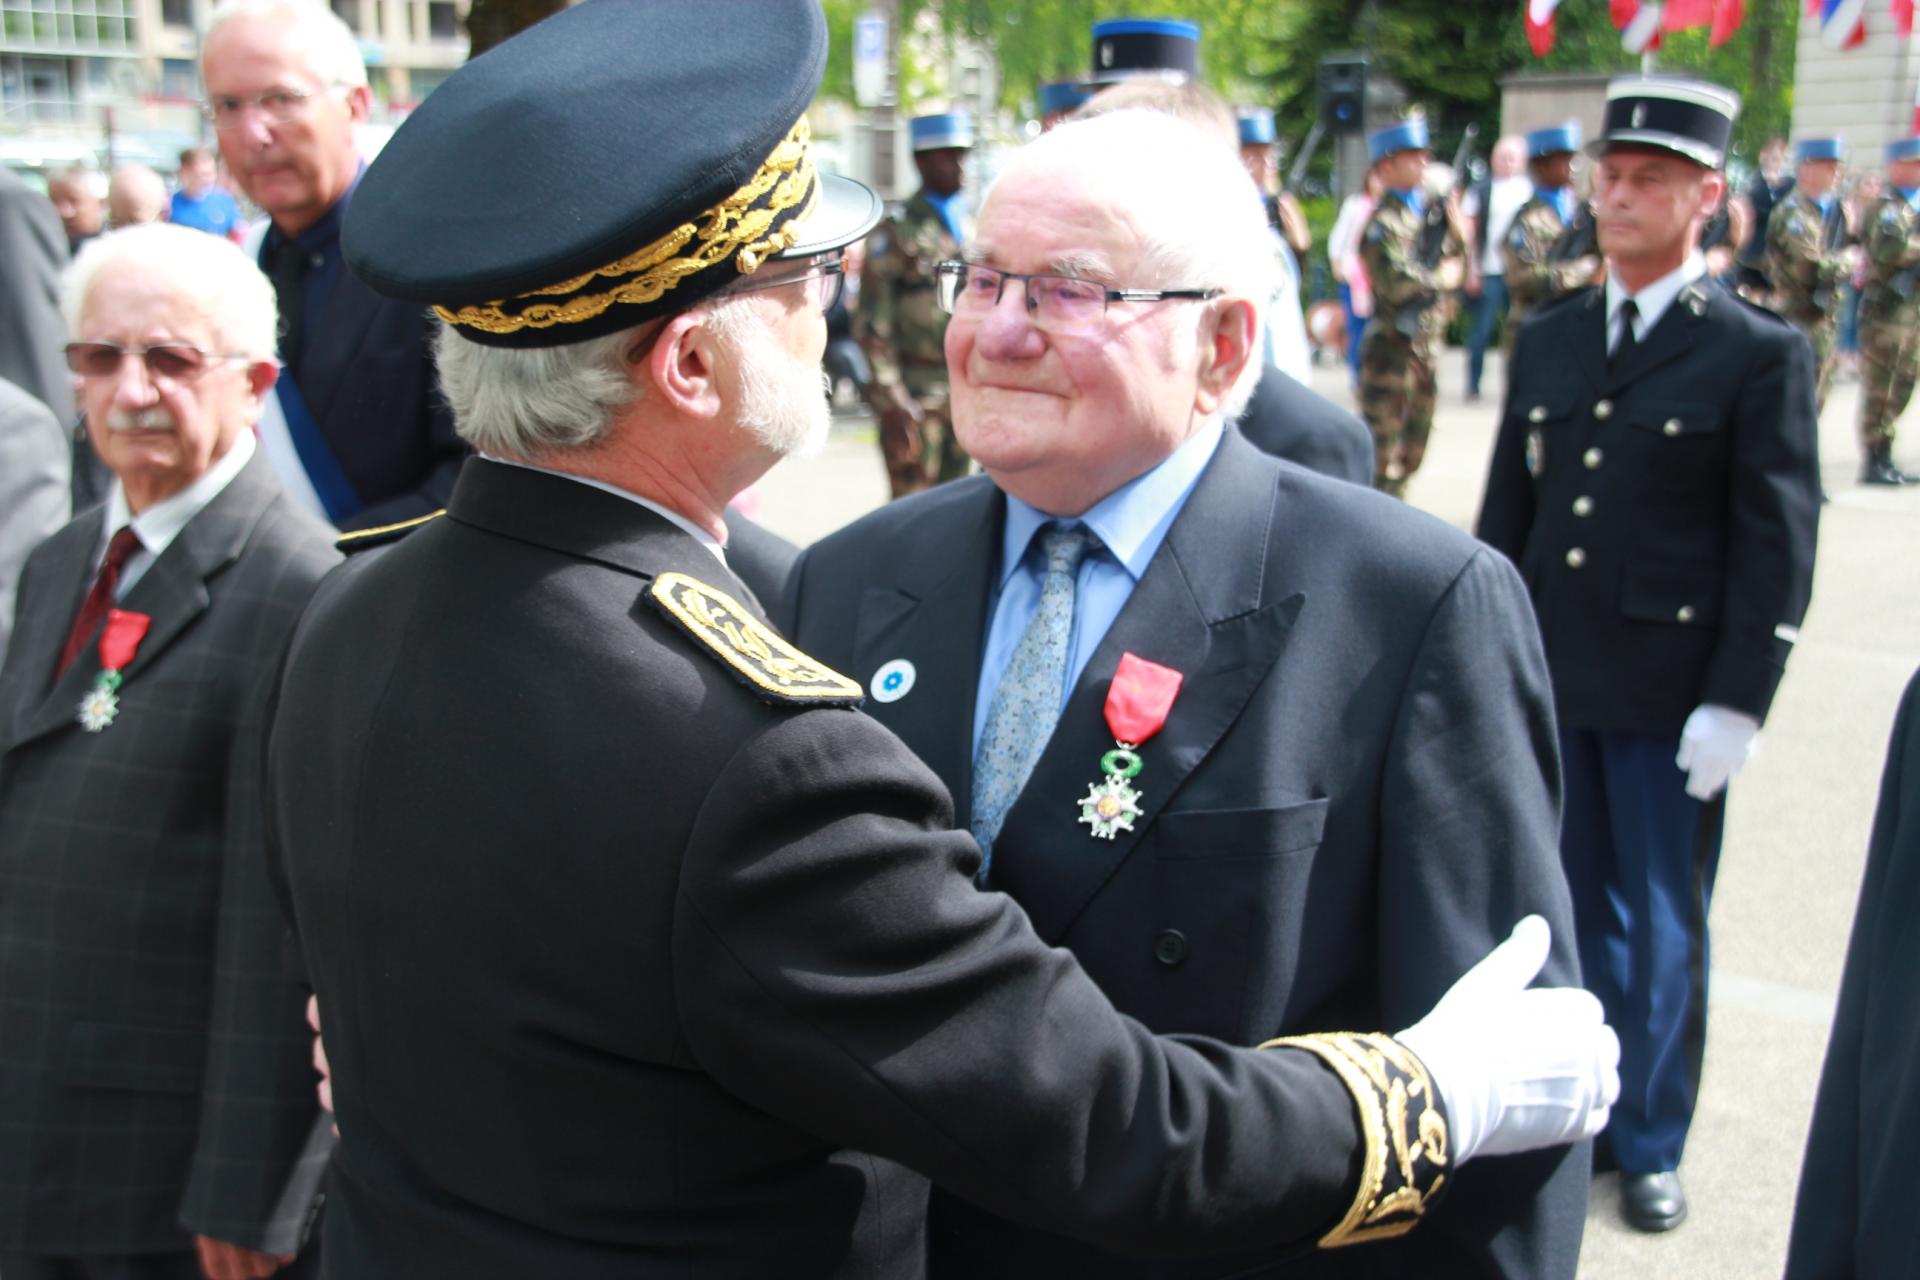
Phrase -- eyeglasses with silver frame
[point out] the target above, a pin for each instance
(173, 361)
(1055, 303)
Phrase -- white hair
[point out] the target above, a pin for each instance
(209, 272)
(1186, 195)
(332, 50)
(520, 402)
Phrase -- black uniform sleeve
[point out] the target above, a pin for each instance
(1506, 509)
(836, 965)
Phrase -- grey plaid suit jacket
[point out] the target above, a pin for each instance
(154, 1063)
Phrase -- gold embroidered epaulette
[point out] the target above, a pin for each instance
(754, 652)
(1403, 1127)
(361, 539)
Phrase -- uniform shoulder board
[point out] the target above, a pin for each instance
(364, 539)
(756, 654)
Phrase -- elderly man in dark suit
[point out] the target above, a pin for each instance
(1266, 751)
(638, 935)
(1655, 480)
(154, 1083)
(355, 427)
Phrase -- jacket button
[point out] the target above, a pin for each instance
(1671, 427)
(1537, 414)
(1592, 458)
(1603, 410)
(1685, 614)
(1170, 948)
(1575, 558)
(1583, 506)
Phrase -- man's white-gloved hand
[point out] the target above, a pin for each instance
(1715, 744)
(1518, 1068)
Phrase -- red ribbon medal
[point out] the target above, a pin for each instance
(119, 641)
(1138, 701)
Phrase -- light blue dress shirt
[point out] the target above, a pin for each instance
(1131, 523)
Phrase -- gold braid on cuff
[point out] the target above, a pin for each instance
(1403, 1129)
(746, 229)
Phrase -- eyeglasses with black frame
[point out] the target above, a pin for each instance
(829, 268)
(1055, 303)
(173, 361)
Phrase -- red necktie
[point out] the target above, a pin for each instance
(93, 610)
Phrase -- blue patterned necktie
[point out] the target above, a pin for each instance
(1027, 703)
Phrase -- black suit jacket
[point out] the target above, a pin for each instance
(368, 378)
(615, 958)
(1355, 796)
(155, 1078)
(1854, 1214)
(1663, 513)
(1297, 423)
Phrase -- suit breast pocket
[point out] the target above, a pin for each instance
(1185, 834)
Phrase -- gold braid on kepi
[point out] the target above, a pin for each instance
(735, 236)
(1405, 1150)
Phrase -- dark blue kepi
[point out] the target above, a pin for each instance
(617, 162)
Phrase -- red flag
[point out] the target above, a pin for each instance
(1727, 17)
(1539, 22)
(1638, 22)
(1903, 18)
(1684, 15)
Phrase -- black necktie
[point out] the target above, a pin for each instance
(1624, 348)
(287, 268)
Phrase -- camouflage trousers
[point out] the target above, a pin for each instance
(1820, 331)
(919, 456)
(1889, 352)
(1396, 398)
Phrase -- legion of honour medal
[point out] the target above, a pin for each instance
(1138, 701)
(119, 641)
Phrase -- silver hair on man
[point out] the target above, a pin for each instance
(211, 273)
(333, 51)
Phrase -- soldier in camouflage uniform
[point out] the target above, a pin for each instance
(1412, 248)
(1890, 312)
(1808, 254)
(899, 324)
(1551, 248)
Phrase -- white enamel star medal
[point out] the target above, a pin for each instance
(1138, 701)
(119, 641)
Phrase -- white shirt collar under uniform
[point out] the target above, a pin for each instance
(1651, 302)
(161, 523)
(674, 518)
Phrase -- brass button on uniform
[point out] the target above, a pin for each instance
(1671, 427)
(1170, 948)
(1537, 414)
(1685, 614)
(1575, 558)
(1603, 410)
(1583, 506)
(1592, 458)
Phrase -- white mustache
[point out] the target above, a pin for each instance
(154, 419)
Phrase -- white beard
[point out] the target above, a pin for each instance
(783, 398)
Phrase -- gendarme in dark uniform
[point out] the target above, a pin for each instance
(1657, 488)
(629, 933)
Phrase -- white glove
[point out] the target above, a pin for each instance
(1716, 743)
(1518, 1068)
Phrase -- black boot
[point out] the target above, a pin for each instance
(1879, 468)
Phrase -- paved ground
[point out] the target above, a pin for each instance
(1796, 830)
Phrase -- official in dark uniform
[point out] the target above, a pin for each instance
(1654, 478)
(628, 933)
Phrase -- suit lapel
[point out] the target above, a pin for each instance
(346, 324)
(1668, 340)
(172, 592)
(939, 625)
(1200, 609)
(42, 631)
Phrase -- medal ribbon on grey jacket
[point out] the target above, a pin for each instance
(1027, 703)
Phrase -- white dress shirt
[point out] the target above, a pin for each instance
(1651, 302)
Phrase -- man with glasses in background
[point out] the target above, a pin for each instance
(155, 1088)
(355, 427)
(1266, 751)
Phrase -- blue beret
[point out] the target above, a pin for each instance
(615, 163)
(1408, 135)
(1553, 140)
(1063, 95)
(1819, 149)
(1904, 149)
(1155, 48)
(1256, 129)
(938, 132)
(1688, 117)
